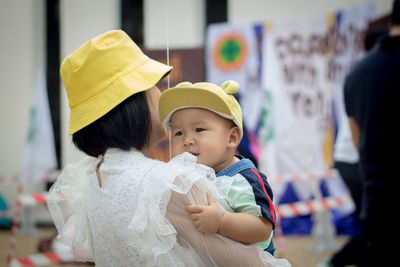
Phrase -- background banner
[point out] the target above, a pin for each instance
(296, 77)
(291, 76)
(305, 63)
(233, 52)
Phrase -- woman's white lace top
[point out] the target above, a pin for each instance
(124, 222)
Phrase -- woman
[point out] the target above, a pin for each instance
(119, 207)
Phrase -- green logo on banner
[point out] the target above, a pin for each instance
(230, 52)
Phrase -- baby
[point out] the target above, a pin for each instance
(206, 121)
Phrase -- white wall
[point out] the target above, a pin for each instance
(181, 22)
(16, 64)
(21, 49)
(262, 10)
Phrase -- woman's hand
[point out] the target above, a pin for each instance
(207, 219)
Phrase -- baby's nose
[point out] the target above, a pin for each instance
(188, 141)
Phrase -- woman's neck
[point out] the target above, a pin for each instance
(146, 150)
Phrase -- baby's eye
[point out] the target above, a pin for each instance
(198, 130)
(179, 133)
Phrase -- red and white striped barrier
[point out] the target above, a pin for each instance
(15, 225)
(41, 259)
(16, 178)
(26, 200)
(307, 207)
(325, 174)
(33, 199)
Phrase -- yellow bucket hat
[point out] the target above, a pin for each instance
(102, 73)
(202, 95)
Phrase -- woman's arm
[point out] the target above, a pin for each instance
(243, 227)
(223, 251)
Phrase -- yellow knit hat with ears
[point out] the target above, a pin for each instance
(202, 95)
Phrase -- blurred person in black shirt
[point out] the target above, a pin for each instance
(371, 96)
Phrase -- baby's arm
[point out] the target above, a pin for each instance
(224, 251)
(244, 227)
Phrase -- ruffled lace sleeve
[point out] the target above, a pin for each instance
(166, 233)
(65, 203)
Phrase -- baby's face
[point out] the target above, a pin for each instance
(202, 133)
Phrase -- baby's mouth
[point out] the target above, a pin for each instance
(194, 154)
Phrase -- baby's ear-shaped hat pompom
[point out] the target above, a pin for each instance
(230, 87)
(184, 84)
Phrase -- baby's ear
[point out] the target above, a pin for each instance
(235, 136)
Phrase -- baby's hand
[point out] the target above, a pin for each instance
(206, 219)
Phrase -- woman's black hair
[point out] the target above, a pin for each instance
(126, 126)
